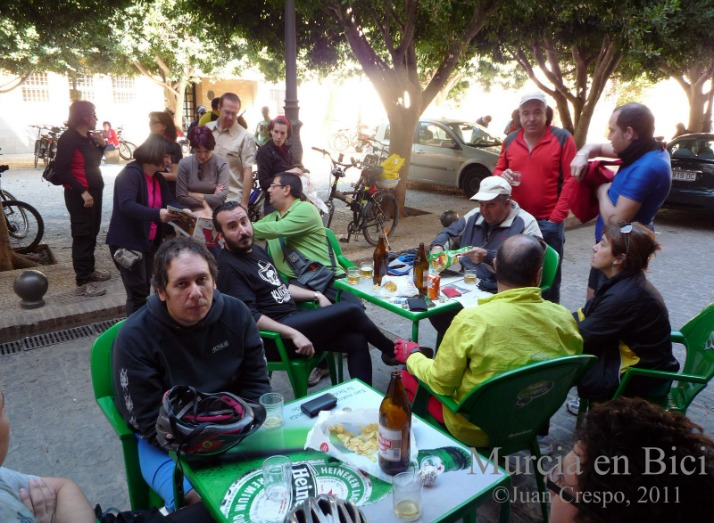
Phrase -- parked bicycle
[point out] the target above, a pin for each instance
(25, 226)
(46, 143)
(345, 138)
(374, 208)
(126, 149)
(255, 201)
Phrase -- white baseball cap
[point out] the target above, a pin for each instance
(491, 188)
(537, 95)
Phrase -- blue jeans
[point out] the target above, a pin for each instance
(554, 235)
(157, 468)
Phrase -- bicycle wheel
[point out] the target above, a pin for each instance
(340, 142)
(37, 152)
(24, 225)
(126, 150)
(380, 214)
(7, 196)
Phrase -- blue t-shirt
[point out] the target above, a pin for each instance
(647, 181)
(11, 507)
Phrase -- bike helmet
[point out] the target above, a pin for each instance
(325, 508)
(204, 424)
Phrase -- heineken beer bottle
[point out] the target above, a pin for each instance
(395, 423)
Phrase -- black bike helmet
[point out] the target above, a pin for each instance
(204, 424)
(325, 508)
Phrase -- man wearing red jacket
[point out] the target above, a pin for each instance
(541, 154)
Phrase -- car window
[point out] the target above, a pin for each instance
(683, 149)
(474, 136)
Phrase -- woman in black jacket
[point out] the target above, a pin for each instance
(79, 154)
(140, 198)
(626, 323)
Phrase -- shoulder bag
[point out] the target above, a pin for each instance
(51, 175)
(310, 274)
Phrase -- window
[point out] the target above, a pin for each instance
(123, 89)
(35, 88)
(277, 100)
(85, 85)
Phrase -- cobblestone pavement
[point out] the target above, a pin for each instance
(58, 430)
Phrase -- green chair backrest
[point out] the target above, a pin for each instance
(140, 494)
(513, 406)
(550, 267)
(340, 258)
(698, 338)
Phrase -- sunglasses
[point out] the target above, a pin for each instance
(625, 231)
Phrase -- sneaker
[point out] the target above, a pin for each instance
(545, 446)
(390, 360)
(573, 406)
(100, 275)
(89, 290)
(316, 376)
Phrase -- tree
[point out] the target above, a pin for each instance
(393, 41)
(61, 36)
(172, 46)
(9, 259)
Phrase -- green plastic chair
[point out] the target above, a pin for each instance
(511, 407)
(340, 258)
(697, 336)
(550, 267)
(298, 369)
(140, 494)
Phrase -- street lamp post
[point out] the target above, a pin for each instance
(292, 109)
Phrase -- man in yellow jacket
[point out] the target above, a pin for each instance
(505, 331)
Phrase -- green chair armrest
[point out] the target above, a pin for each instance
(107, 406)
(444, 400)
(650, 373)
(272, 335)
(344, 262)
(677, 337)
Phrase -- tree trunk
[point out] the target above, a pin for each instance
(694, 83)
(9, 259)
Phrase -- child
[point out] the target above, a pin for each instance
(448, 217)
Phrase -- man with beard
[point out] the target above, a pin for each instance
(246, 272)
(643, 181)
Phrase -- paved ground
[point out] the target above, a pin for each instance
(58, 430)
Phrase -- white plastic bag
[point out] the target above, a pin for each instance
(321, 438)
(309, 190)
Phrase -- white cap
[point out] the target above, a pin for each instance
(537, 95)
(491, 187)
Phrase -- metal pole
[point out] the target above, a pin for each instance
(292, 110)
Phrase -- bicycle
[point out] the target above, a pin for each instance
(345, 138)
(46, 143)
(126, 149)
(375, 209)
(25, 225)
(255, 201)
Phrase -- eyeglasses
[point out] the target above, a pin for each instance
(565, 492)
(625, 231)
(276, 185)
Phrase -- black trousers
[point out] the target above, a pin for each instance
(137, 280)
(84, 225)
(342, 327)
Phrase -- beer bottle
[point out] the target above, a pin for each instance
(395, 423)
(421, 270)
(381, 260)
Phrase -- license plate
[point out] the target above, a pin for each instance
(684, 176)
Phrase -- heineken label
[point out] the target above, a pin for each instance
(313, 474)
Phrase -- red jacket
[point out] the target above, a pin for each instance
(540, 170)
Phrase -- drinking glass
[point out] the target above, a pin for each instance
(353, 275)
(470, 277)
(277, 477)
(366, 270)
(407, 495)
(273, 404)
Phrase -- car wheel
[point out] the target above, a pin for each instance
(471, 179)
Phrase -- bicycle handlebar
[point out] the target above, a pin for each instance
(353, 162)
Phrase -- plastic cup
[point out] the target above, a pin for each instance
(273, 404)
(407, 488)
(277, 477)
(515, 178)
(366, 270)
(470, 277)
(353, 275)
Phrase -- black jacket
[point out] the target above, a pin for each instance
(152, 353)
(627, 312)
(131, 215)
(77, 161)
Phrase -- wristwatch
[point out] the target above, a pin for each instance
(316, 297)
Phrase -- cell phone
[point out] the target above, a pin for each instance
(450, 292)
(313, 407)
(417, 304)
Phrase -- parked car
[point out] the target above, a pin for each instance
(692, 171)
(453, 153)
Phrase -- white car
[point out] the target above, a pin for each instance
(451, 153)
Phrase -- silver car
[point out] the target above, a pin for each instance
(451, 153)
